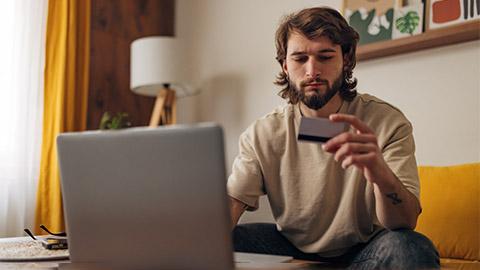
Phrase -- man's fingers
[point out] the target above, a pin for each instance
(352, 120)
(358, 160)
(353, 148)
(336, 142)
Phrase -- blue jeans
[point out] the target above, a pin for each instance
(397, 249)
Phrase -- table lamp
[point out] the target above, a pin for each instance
(155, 71)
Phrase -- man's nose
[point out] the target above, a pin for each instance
(312, 68)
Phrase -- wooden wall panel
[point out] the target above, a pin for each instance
(114, 25)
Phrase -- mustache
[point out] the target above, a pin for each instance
(315, 80)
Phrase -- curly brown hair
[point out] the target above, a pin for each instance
(314, 23)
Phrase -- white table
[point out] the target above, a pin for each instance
(28, 264)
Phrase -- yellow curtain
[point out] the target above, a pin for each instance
(65, 98)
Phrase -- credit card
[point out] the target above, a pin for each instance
(319, 130)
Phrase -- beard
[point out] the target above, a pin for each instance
(317, 100)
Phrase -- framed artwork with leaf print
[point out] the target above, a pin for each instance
(380, 20)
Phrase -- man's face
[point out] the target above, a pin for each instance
(314, 68)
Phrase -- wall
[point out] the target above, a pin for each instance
(438, 90)
(230, 49)
(114, 25)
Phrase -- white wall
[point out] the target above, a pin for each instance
(230, 49)
(438, 90)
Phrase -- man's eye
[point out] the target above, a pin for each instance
(324, 58)
(300, 59)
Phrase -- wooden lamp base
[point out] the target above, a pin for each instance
(165, 108)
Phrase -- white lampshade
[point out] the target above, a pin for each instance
(156, 61)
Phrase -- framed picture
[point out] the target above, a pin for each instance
(373, 19)
(408, 19)
(441, 13)
(379, 20)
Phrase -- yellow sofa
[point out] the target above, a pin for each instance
(451, 213)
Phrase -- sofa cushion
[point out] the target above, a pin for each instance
(459, 264)
(450, 202)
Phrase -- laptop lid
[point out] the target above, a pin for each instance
(144, 197)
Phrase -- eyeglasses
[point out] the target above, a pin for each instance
(56, 241)
(64, 234)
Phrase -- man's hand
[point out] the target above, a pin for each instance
(396, 207)
(236, 210)
(359, 149)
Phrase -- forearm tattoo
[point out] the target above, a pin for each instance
(394, 198)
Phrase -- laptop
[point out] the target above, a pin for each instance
(148, 198)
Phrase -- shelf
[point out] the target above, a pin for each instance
(432, 38)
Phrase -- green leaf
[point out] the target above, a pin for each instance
(408, 23)
(104, 121)
(120, 120)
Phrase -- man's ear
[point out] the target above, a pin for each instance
(284, 67)
(346, 61)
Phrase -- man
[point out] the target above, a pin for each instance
(353, 200)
